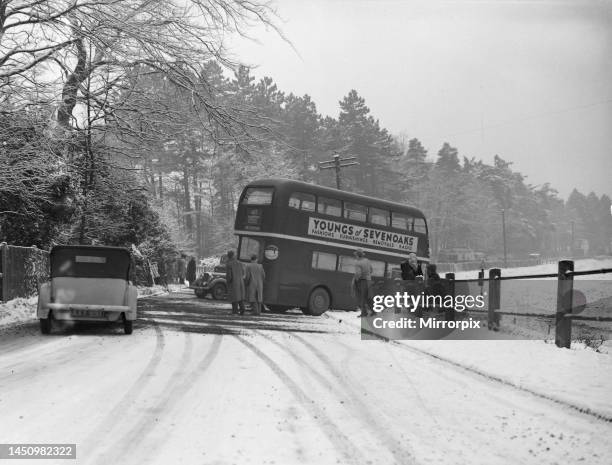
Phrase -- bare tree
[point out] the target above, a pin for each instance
(103, 40)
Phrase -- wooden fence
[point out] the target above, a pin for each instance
(22, 269)
(567, 310)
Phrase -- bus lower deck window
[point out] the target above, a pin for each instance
(346, 264)
(323, 261)
(248, 247)
(378, 268)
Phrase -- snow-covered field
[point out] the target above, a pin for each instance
(579, 265)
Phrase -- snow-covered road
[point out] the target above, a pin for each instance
(196, 385)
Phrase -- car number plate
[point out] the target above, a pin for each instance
(87, 313)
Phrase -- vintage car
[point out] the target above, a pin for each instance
(213, 283)
(88, 283)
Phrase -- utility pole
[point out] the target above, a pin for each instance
(572, 243)
(337, 163)
(503, 212)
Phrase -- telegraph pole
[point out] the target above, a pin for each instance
(336, 164)
(572, 243)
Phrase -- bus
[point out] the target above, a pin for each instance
(305, 236)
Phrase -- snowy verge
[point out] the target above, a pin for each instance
(19, 310)
(22, 310)
(579, 377)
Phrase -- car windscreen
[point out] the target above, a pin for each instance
(90, 263)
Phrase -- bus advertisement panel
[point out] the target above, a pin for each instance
(305, 236)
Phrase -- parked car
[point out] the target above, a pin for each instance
(88, 283)
(212, 283)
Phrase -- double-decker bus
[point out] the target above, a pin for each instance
(305, 236)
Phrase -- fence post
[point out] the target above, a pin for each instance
(3, 272)
(449, 313)
(565, 286)
(494, 298)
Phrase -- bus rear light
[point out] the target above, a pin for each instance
(271, 252)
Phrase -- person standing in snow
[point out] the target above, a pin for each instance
(181, 266)
(410, 268)
(254, 278)
(191, 270)
(234, 277)
(362, 282)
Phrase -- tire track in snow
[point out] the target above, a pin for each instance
(401, 454)
(116, 450)
(174, 391)
(341, 442)
(181, 390)
(110, 421)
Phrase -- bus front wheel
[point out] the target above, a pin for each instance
(319, 301)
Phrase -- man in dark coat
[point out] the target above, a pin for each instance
(191, 271)
(362, 283)
(254, 277)
(181, 267)
(410, 268)
(234, 276)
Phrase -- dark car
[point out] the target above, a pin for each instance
(212, 283)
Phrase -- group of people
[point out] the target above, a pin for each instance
(186, 270)
(244, 283)
(362, 279)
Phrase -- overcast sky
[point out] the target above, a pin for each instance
(528, 80)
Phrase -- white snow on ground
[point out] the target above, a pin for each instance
(576, 377)
(18, 310)
(23, 309)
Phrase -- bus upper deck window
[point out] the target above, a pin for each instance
(258, 196)
(419, 226)
(329, 206)
(354, 211)
(379, 216)
(302, 201)
(401, 221)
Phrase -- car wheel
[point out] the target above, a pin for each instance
(318, 301)
(128, 325)
(45, 324)
(200, 294)
(218, 291)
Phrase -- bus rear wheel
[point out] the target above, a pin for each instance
(278, 308)
(318, 301)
